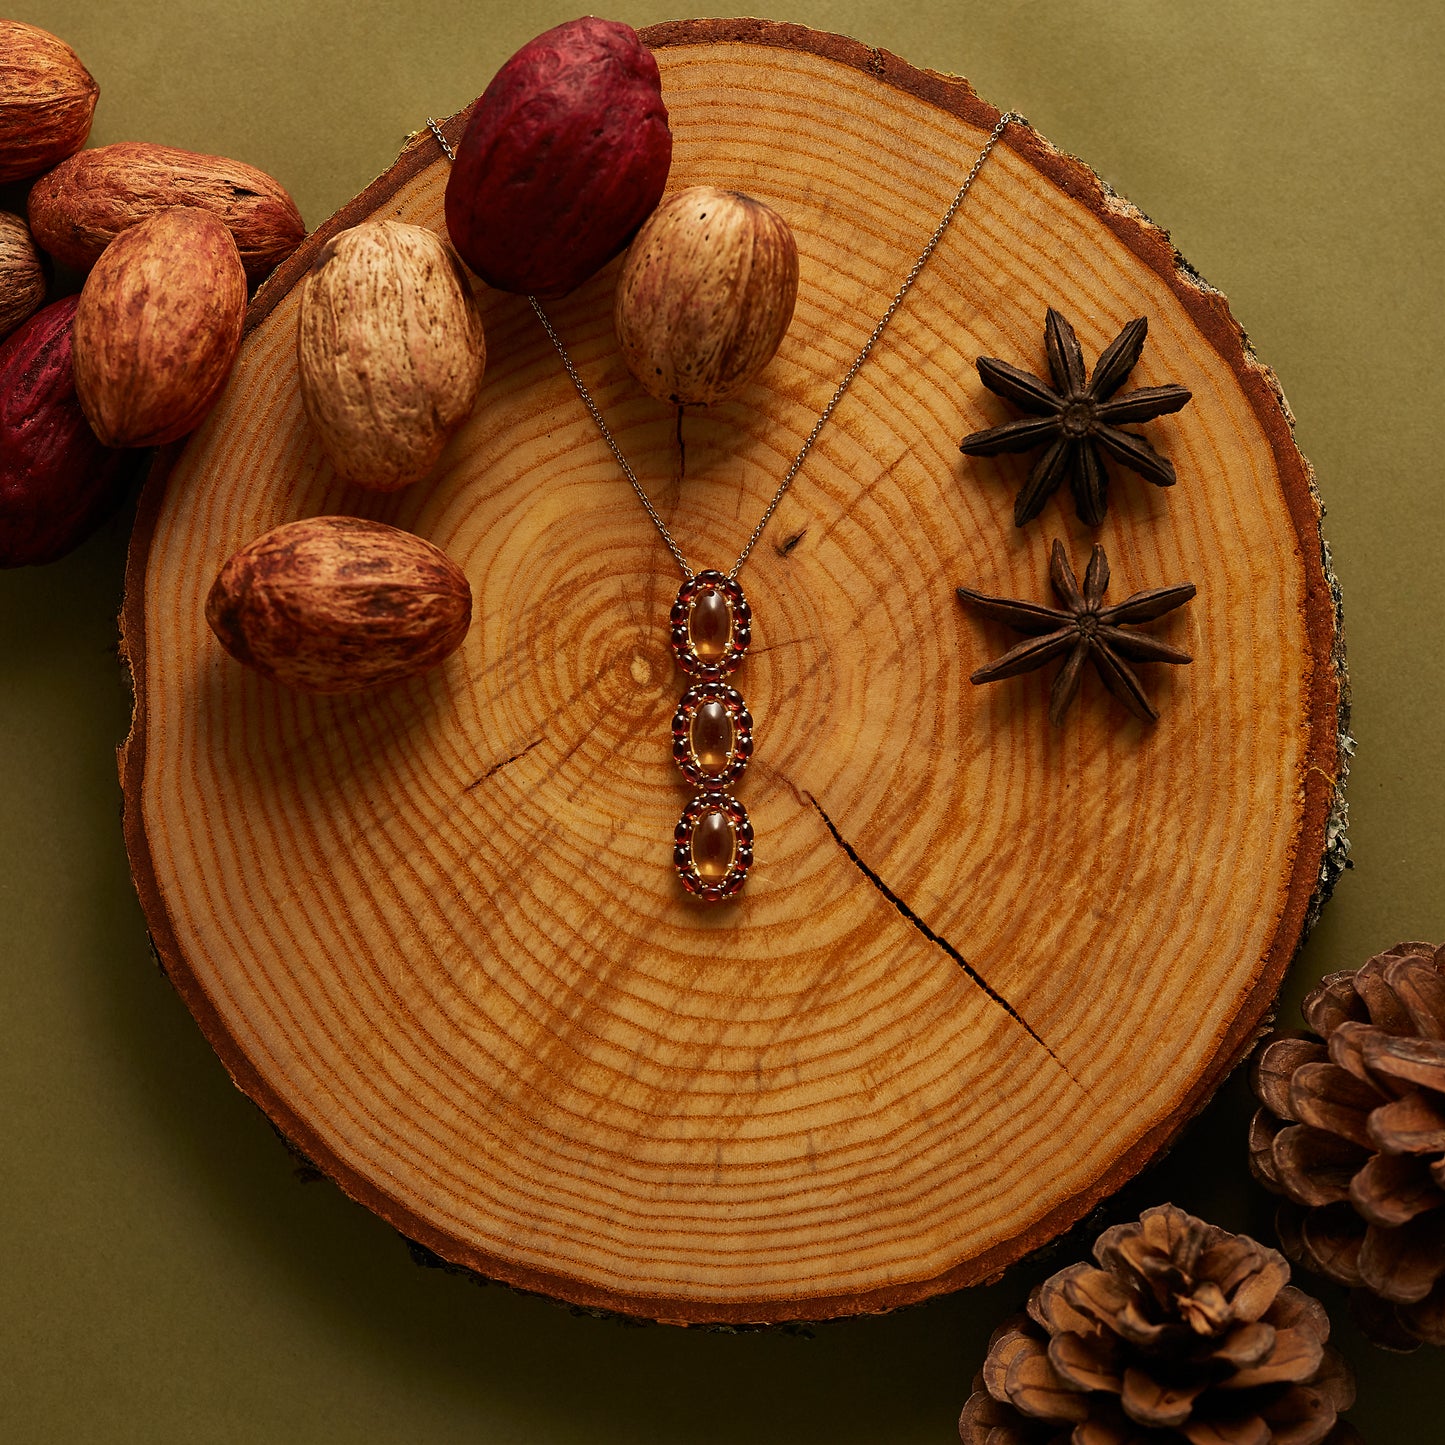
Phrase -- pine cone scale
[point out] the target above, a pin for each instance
(1251, 1430)
(1384, 1009)
(1393, 1188)
(1333, 1003)
(1086, 1362)
(1263, 1130)
(1413, 1061)
(1297, 1356)
(1148, 1401)
(1331, 1239)
(1103, 1432)
(1302, 1416)
(1316, 1167)
(1250, 1278)
(1412, 1125)
(1247, 1345)
(1331, 1098)
(1049, 1304)
(1421, 988)
(1295, 1309)
(1347, 1048)
(1034, 1387)
(1402, 1265)
(985, 1422)
(1275, 1067)
(1007, 1343)
(1094, 1294)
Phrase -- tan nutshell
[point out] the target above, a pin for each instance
(81, 206)
(47, 99)
(390, 350)
(158, 328)
(22, 280)
(706, 294)
(337, 604)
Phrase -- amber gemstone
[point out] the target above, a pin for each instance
(710, 625)
(714, 845)
(712, 737)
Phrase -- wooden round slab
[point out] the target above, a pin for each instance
(984, 968)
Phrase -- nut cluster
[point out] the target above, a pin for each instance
(170, 240)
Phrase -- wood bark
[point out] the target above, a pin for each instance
(984, 969)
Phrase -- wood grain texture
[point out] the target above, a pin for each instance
(983, 970)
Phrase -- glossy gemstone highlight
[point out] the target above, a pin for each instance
(712, 737)
(714, 846)
(710, 626)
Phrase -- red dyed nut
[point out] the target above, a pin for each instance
(565, 155)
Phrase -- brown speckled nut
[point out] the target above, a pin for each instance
(706, 295)
(158, 328)
(81, 206)
(47, 99)
(337, 604)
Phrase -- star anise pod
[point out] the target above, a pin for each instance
(1077, 421)
(1084, 629)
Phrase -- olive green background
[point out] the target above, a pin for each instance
(167, 1275)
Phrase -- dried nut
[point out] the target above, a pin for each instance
(158, 328)
(390, 350)
(22, 280)
(337, 604)
(47, 98)
(706, 294)
(81, 206)
(563, 158)
(56, 480)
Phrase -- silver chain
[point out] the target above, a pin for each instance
(442, 141)
(923, 256)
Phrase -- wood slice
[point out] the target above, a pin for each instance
(984, 969)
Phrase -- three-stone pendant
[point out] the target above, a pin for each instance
(712, 736)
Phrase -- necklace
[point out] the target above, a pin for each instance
(711, 624)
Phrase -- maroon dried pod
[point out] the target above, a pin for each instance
(564, 157)
(57, 482)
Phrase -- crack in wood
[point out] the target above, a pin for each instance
(935, 938)
(862, 495)
(497, 767)
(788, 543)
(773, 646)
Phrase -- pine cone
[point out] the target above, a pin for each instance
(1185, 1333)
(1352, 1132)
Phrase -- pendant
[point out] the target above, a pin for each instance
(712, 736)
